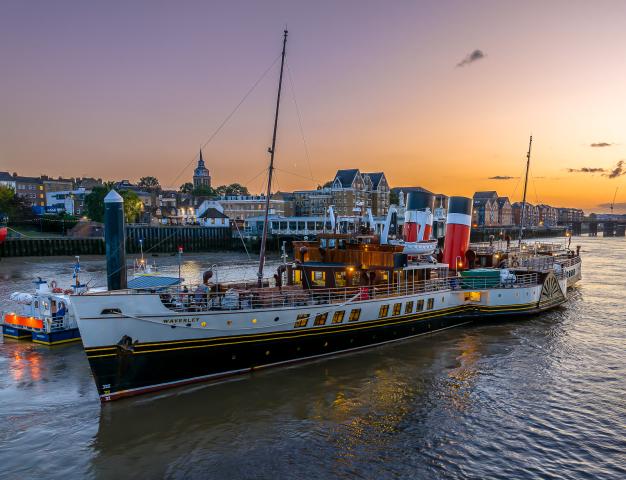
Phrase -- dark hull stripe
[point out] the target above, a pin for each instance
(339, 328)
(129, 373)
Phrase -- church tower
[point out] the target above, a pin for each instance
(201, 176)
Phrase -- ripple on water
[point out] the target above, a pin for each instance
(536, 398)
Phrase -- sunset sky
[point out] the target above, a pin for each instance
(439, 94)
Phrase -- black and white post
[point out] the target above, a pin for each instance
(115, 241)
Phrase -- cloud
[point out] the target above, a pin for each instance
(471, 58)
(618, 171)
(617, 206)
(586, 170)
(601, 144)
(500, 177)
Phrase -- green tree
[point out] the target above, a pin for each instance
(132, 206)
(149, 184)
(94, 203)
(186, 187)
(12, 206)
(204, 191)
(236, 189)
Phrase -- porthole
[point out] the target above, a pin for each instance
(254, 320)
(234, 357)
(325, 344)
(276, 319)
(229, 322)
(203, 324)
(267, 352)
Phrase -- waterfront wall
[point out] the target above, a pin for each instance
(155, 240)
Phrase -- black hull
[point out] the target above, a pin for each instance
(132, 370)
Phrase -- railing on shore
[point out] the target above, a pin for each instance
(197, 299)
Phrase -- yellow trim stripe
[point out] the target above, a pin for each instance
(254, 338)
(57, 342)
(293, 333)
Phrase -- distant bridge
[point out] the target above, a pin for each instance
(609, 228)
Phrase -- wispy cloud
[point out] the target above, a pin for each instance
(471, 58)
(586, 170)
(618, 171)
(617, 206)
(501, 177)
(601, 144)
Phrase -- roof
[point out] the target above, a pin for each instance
(152, 281)
(503, 200)
(485, 195)
(376, 177)
(213, 213)
(6, 177)
(346, 177)
(409, 189)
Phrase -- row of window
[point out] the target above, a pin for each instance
(320, 318)
(338, 317)
(408, 308)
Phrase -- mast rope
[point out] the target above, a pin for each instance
(295, 102)
(228, 117)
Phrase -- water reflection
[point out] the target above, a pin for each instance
(533, 398)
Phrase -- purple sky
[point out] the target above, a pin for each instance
(125, 89)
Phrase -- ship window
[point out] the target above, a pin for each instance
(354, 315)
(320, 319)
(111, 311)
(397, 308)
(318, 278)
(431, 304)
(338, 316)
(420, 306)
(297, 276)
(36, 304)
(408, 308)
(301, 320)
(384, 310)
(340, 279)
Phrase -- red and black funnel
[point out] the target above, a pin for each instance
(458, 229)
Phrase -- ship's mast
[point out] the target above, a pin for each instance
(271, 169)
(521, 222)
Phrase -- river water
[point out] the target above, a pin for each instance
(543, 397)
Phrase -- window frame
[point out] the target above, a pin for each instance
(397, 309)
(301, 320)
(419, 306)
(355, 314)
(338, 316)
(430, 304)
(383, 311)
(408, 307)
(320, 319)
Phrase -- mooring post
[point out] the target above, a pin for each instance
(115, 241)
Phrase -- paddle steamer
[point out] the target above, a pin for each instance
(342, 292)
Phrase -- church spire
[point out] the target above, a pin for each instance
(201, 161)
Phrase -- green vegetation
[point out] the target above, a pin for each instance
(12, 206)
(149, 184)
(94, 203)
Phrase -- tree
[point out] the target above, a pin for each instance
(13, 206)
(203, 191)
(94, 203)
(132, 206)
(186, 188)
(236, 189)
(394, 198)
(149, 184)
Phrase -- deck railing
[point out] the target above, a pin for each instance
(197, 299)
